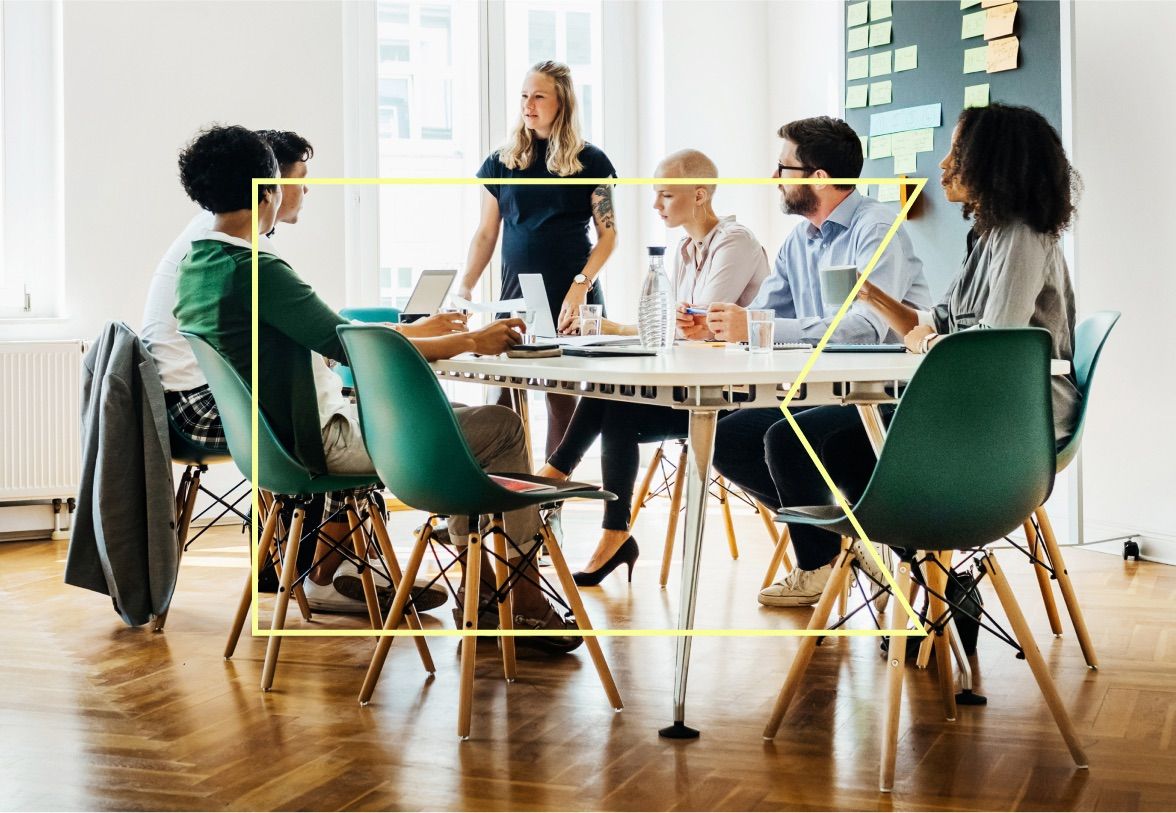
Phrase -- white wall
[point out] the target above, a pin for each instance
(140, 78)
(1123, 120)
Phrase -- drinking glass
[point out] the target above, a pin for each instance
(761, 329)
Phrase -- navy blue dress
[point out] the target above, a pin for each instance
(545, 228)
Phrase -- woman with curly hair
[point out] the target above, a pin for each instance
(1007, 168)
(545, 227)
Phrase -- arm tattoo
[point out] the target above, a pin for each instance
(602, 206)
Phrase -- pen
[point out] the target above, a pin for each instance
(695, 311)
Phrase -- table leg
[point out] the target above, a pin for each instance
(698, 462)
(872, 419)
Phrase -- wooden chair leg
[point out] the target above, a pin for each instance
(672, 526)
(299, 593)
(395, 612)
(591, 642)
(1067, 587)
(359, 545)
(414, 620)
(643, 491)
(263, 549)
(819, 619)
(1039, 569)
(780, 542)
(186, 504)
(1033, 657)
(725, 503)
(895, 669)
(469, 643)
(505, 616)
(282, 601)
(937, 582)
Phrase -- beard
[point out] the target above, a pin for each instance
(800, 200)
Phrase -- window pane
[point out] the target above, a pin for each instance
(541, 35)
(393, 13)
(394, 112)
(579, 39)
(394, 51)
(436, 109)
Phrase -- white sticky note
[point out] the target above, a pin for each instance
(865, 145)
(905, 164)
(858, 67)
(855, 96)
(879, 9)
(880, 64)
(976, 59)
(887, 193)
(857, 14)
(880, 93)
(859, 39)
(976, 96)
(906, 59)
(879, 34)
(880, 147)
(972, 25)
(863, 189)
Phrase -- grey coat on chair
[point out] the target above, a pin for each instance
(124, 538)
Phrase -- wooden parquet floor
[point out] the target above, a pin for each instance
(94, 715)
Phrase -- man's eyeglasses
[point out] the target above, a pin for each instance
(781, 167)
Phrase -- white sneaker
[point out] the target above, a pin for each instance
(867, 564)
(349, 583)
(324, 598)
(800, 588)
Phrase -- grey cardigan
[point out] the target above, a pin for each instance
(124, 537)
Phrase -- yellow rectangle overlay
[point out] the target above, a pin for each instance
(919, 629)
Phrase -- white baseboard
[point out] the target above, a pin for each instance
(1154, 545)
(26, 521)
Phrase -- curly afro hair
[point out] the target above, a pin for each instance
(288, 147)
(217, 169)
(1014, 168)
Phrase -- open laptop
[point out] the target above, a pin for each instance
(541, 325)
(430, 292)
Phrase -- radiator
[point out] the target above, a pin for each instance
(40, 419)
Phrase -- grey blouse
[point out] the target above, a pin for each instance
(1016, 277)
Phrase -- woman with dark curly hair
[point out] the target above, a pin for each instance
(1007, 168)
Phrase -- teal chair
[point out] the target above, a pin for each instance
(969, 454)
(290, 483)
(371, 315)
(196, 458)
(421, 455)
(1089, 339)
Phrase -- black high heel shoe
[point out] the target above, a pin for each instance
(626, 554)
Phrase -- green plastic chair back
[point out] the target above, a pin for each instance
(277, 471)
(187, 452)
(412, 434)
(384, 314)
(1089, 339)
(970, 450)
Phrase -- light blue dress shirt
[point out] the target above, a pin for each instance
(850, 236)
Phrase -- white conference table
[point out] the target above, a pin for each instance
(704, 380)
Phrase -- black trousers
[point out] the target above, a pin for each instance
(758, 450)
(621, 427)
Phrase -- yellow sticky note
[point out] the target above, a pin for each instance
(906, 59)
(973, 24)
(879, 9)
(855, 96)
(887, 192)
(879, 34)
(1000, 21)
(976, 59)
(1002, 55)
(880, 64)
(880, 147)
(857, 14)
(859, 39)
(858, 67)
(905, 164)
(976, 96)
(880, 93)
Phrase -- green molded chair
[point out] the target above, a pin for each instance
(411, 440)
(381, 314)
(1089, 339)
(289, 482)
(969, 454)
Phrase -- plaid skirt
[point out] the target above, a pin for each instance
(197, 419)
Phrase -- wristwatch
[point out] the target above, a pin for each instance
(582, 279)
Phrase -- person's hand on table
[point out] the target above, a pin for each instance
(576, 296)
(607, 328)
(440, 324)
(691, 326)
(914, 339)
(498, 336)
(727, 321)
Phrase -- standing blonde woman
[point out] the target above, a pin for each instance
(546, 227)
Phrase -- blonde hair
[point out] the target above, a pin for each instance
(689, 164)
(565, 142)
